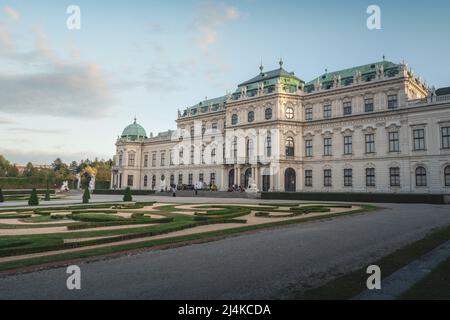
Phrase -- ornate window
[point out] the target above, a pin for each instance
(180, 179)
(445, 131)
(370, 143)
(348, 177)
(234, 119)
(289, 113)
(394, 176)
(235, 149)
(131, 159)
(327, 111)
(250, 148)
(421, 177)
(154, 160)
(201, 177)
(347, 108)
(190, 179)
(370, 177)
(392, 102)
(368, 105)
(251, 116)
(153, 182)
(145, 160)
(213, 155)
(394, 142)
(120, 159)
(308, 114)
(130, 181)
(327, 178)
(419, 139)
(290, 147)
(145, 181)
(191, 161)
(308, 178)
(327, 147)
(163, 159)
(212, 179)
(268, 113)
(447, 176)
(308, 148)
(348, 145)
(268, 146)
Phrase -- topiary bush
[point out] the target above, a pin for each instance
(2, 199)
(127, 197)
(86, 196)
(47, 195)
(33, 201)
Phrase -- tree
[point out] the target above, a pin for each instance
(127, 197)
(86, 195)
(29, 170)
(34, 200)
(2, 199)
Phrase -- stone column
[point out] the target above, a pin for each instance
(257, 178)
(238, 176)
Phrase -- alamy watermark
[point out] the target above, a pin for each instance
(74, 280)
(73, 22)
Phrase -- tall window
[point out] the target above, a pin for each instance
(212, 178)
(327, 147)
(163, 159)
(308, 148)
(327, 178)
(203, 129)
(131, 159)
(447, 176)
(289, 113)
(154, 160)
(201, 177)
(146, 160)
(181, 156)
(251, 116)
(290, 150)
(180, 179)
(190, 179)
(347, 108)
(192, 132)
(268, 145)
(394, 176)
(348, 145)
(445, 131)
(421, 177)
(172, 180)
(213, 155)
(130, 179)
(153, 182)
(394, 143)
(203, 154)
(235, 150)
(171, 157)
(145, 181)
(370, 177)
(419, 139)
(234, 119)
(191, 161)
(370, 143)
(249, 149)
(392, 102)
(120, 160)
(268, 114)
(368, 105)
(327, 111)
(348, 177)
(308, 178)
(308, 114)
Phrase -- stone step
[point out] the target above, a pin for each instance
(210, 194)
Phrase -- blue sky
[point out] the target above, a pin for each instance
(69, 93)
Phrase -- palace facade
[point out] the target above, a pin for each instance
(373, 128)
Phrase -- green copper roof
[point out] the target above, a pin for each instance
(134, 131)
(271, 75)
(347, 73)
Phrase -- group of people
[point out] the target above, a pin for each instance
(236, 188)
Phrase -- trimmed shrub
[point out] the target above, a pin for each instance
(2, 199)
(47, 195)
(86, 196)
(127, 197)
(33, 201)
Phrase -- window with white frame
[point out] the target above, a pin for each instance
(394, 176)
(327, 146)
(348, 145)
(370, 177)
(419, 139)
(394, 141)
(348, 177)
(370, 143)
(327, 111)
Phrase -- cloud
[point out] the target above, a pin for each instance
(11, 13)
(32, 130)
(45, 84)
(212, 16)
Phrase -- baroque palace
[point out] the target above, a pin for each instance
(373, 128)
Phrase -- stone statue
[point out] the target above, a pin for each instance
(92, 183)
(252, 185)
(65, 186)
(162, 184)
(78, 181)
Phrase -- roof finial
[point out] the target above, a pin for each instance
(281, 63)
(326, 70)
(384, 57)
(135, 119)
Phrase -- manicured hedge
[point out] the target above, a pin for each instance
(122, 192)
(26, 192)
(357, 197)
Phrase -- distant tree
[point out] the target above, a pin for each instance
(12, 171)
(4, 164)
(127, 197)
(86, 195)
(29, 170)
(2, 199)
(34, 200)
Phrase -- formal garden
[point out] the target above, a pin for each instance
(39, 235)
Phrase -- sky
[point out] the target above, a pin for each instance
(69, 93)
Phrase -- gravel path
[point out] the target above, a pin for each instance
(266, 264)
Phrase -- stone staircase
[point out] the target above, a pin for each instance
(209, 194)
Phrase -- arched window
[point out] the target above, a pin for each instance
(145, 181)
(447, 176)
(213, 155)
(234, 149)
(172, 180)
(251, 116)
(234, 119)
(250, 148)
(289, 113)
(153, 181)
(268, 145)
(120, 159)
(290, 150)
(421, 177)
(268, 113)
